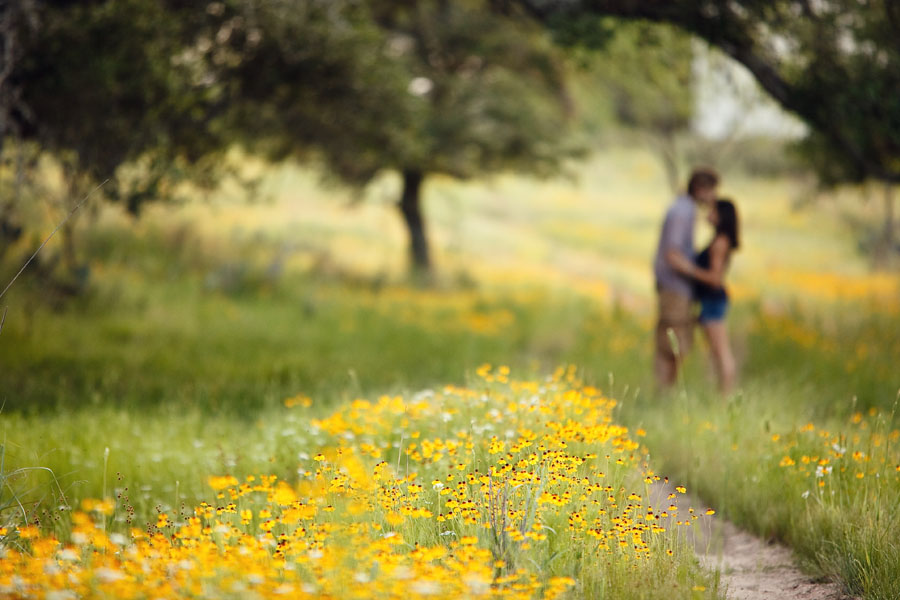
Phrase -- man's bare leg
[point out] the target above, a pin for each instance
(665, 369)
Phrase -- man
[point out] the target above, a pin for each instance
(674, 290)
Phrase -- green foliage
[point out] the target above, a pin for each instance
(492, 90)
(430, 87)
(833, 63)
(644, 71)
(101, 90)
(647, 71)
(851, 62)
(306, 78)
(583, 32)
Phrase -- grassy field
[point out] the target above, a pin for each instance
(214, 333)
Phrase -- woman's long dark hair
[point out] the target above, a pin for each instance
(728, 221)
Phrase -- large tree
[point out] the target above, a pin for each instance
(148, 93)
(306, 79)
(103, 84)
(416, 87)
(490, 96)
(15, 19)
(99, 87)
(834, 63)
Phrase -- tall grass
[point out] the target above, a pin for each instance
(772, 461)
(507, 488)
(203, 323)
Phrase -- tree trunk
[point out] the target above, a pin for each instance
(884, 246)
(67, 231)
(69, 259)
(667, 150)
(410, 207)
(889, 219)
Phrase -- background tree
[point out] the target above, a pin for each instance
(414, 87)
(151, 94)
(99, 88)
(15, 19)
(645, 71)
(834, 63)
(490, 96)
(95, 87)
(147, 93)
(305, 79)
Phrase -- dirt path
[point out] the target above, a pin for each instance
(750, 568)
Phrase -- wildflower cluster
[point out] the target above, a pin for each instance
(842, 463)
(837, 286)
(462, 311)
(852, 345)
(515, 489)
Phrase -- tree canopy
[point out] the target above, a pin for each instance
(645, 73)
(361, 85)
(98, 88)
(414, 87)
(489, 95)
(834, 63)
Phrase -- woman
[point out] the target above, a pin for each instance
(708, 273)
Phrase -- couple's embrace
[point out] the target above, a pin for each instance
(685, 279)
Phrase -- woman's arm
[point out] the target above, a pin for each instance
(715, 275)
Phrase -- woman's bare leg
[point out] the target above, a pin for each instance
(723, 358)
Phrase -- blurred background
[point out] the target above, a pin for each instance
(273, 204)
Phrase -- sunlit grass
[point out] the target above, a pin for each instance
(202, 319)
(797, 464)
(599, 227)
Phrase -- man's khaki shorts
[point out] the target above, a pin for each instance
(675, 313)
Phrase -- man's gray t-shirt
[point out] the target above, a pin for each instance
(677, 233)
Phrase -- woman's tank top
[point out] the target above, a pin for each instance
(703, 290)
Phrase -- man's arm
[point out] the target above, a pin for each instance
(680, 228)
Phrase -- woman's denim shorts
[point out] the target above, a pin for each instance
(712, 309)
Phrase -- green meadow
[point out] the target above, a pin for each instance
(204, 322)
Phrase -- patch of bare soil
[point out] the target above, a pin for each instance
(749, 567)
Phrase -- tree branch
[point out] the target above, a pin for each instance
(716, 22)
